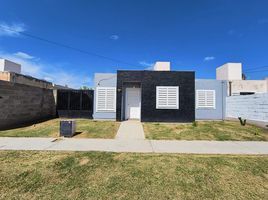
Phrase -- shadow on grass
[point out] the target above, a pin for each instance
(77, 133)
(26, 123)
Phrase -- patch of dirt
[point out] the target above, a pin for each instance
(83, 161)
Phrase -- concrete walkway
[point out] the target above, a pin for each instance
(139, 146)
(130, 130)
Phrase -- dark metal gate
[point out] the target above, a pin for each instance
(75, 103)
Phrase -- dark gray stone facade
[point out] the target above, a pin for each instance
(147, 81)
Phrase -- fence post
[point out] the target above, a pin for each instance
(69, 99)
(81, 96)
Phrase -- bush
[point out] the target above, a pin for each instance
(242, 121)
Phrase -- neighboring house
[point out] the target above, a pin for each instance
(60, 87)
(26, 80)
(11, 72)
(9, 66)
(232, 72)
(160, 95)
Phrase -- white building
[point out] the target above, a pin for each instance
(9, 66)
(232, 72)
(229, 71)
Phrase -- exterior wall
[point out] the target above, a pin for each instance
(24, 104)
(2, 64)
(6, 65)
(103, 80)
(257, 86)
(229, 71)
(220, 88)
(250, 107)
(267, 83)
(22, 79)
(4, 76)
(148, 81)
(61, 87)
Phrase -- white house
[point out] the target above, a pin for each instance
(232, 72)
(9, 66)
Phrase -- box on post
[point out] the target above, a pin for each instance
(67, 128)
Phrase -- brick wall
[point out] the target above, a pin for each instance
(21, 104)
(251, 107)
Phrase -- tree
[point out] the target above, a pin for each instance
(85, 88)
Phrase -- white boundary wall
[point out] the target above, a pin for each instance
(251, 107)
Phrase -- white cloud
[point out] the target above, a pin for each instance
(209, 58)
(23, 55)
(234, 33)
(12, 30)
(148, 65)
(114, 37)
(52, 72)
(231, 32)
(48, 79)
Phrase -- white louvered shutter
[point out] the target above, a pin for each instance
(167, 97)
(205, 99)
(106, 99)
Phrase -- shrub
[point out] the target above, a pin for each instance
(242, 121)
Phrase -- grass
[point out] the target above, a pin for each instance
(85, 128)
(205, 130)
(95, 175)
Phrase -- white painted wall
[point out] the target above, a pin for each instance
(229, 71)
(232, 72)
(103, 80)
(256, 86)
(251, 107)
(2, 64)
(162, 66)
(9, 66)
(222, 72)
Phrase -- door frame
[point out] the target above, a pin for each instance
(127, 113)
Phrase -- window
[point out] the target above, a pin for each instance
(106, 99)
(205, 99)
(167, 97)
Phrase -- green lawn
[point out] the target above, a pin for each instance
(95, 175)
(205, 130)
(85, 128)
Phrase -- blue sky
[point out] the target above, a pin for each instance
(197, 35)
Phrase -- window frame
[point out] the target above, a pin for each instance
(97, 100)
(205, 107)
(167, 107)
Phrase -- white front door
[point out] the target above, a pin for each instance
(133, 103)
